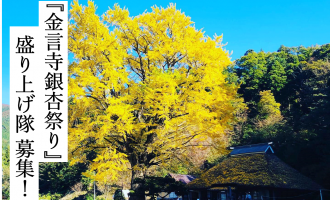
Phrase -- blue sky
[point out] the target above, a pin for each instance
(244, 24)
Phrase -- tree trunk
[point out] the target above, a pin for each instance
(139, 193)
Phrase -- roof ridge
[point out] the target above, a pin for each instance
(179, 174)
(252, 145)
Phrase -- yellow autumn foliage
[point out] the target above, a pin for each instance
(267, 104)
(269, 110)
(142, 88)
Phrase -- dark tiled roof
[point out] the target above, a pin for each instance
(254, 170)
(182, 178)
(256, 148)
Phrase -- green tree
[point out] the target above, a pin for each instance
(298, 78)
(5, 172)
(59, 177)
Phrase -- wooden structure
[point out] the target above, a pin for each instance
(253, 170)
(185, 179)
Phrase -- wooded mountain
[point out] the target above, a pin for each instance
(5, 150)
(5, 125)
(298, 79)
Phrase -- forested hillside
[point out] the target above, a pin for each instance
(5, 125)
(5, 150)
(288, 96)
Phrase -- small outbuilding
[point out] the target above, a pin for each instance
(252, 171)
(183, 178)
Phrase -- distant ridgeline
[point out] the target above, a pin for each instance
(5, 126)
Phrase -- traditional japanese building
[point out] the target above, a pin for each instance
(185, 179)
(254, 171)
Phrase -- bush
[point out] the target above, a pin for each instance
(89, 196)
(49, 196)
(119, 195)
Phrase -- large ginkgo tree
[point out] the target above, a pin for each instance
(143, 88)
